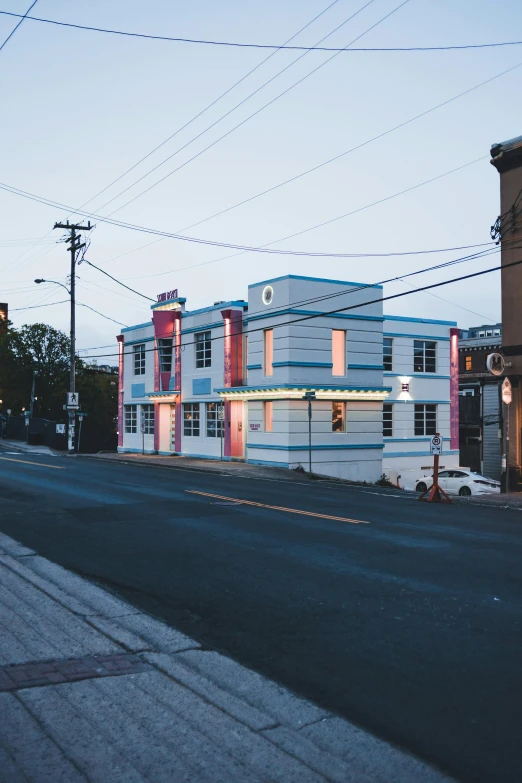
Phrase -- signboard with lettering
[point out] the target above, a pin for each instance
(436, 445)
(166, 296)
(254, 427)
(506, 391)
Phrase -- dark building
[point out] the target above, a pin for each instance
(480, 401)
(3, 317)
(506, 157)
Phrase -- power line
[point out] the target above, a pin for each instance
(243, 45)
(325, 314)
(118, 281)
(340, 155)
(22, 18)
(250, 116)
(209, 106)
(63, 301)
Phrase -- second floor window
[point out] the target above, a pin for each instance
(387, 420)
(139, 359)
(191, 419)
(268, 339)
(203, 350)
(469, 362)
(387, 353)
(338, 352)
(165, 355)
(425, 419)
(424, 356)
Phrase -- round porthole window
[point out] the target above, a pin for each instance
(268, 294)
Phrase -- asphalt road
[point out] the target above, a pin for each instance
(402, 617)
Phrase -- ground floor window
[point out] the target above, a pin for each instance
(214, 420)
(268, 415)
(387, 420)
(131, 419)
(147, 412)
(338, 423)
(191, 419)
(425, 419)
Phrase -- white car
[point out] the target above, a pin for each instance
(460, 481)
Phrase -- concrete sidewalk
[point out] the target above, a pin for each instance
(93, 690)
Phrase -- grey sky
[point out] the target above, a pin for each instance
(79, 108)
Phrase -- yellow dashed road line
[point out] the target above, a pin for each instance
(280, 508)
(26, 462)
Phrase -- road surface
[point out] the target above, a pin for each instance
(400, 616)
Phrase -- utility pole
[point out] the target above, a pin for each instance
(75, 243)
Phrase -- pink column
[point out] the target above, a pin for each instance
(233, 366)
(454, 388)
(120, 389)
(156, 426)
(177, 380)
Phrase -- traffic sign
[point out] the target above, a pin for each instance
(506, 391)
(221, 412)
(81, 416)
(436, 444)
(73, 399)
(495, 363)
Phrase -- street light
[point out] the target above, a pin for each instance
(70, 437)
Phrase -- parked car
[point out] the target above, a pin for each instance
(460, 481)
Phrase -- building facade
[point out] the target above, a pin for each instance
(506, 157)
(480, 401)
(229, 381)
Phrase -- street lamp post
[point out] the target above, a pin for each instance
(310, 397)
(70, 431)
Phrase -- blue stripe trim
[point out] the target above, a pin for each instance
(138, 342)
(203, 328)
(305, 387)
(365, 366)
(314, 280)
(417, 336)
(416, 453)
(416, 375)
(221, 306)
(416, 439)
(418, 402)
(315, 447)
(419, 320)
(302, 364)
(138, 326)
(254, 366)
(295, 311)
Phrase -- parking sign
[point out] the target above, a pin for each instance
(436, 444)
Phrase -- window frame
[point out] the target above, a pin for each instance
(165, 350)
(212, 417)
(203, 349)
(342, 406)
(139, 363)
(420, 417)
(147, 411)
(385, 355)
(389, 413)
(190, 425)
(131, 419)
(422, 345)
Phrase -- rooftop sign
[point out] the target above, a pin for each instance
(168, 295)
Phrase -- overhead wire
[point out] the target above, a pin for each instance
(22, 18)
(243, 45)
(325, 314)
(250, 116)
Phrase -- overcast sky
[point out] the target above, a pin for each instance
(80, 108)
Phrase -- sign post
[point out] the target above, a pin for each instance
(435, 494)
(507, 396)
(309, 396)
(221, 423)
(81, 417)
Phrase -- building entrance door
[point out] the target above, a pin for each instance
(173, 427)
(236, 429)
